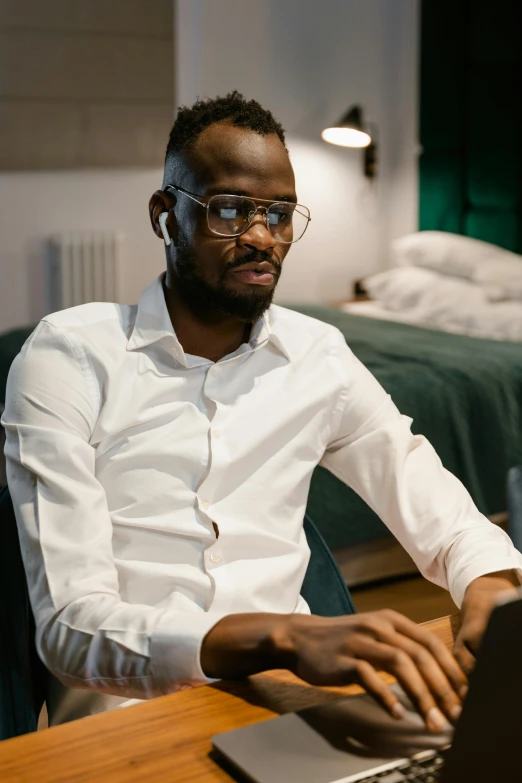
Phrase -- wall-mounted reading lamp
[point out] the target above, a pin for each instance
(351, 131)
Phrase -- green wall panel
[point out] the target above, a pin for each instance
(494, 30)
(493, 137)
(498, 228)
(441, 192)
(441, 44)
(471, 119)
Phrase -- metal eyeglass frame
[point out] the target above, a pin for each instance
(220, 195)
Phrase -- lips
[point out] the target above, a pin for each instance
(253, 277)
(255, 274)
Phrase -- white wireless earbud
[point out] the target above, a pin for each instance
(163, 225)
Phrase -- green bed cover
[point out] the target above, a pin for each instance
(463, 393)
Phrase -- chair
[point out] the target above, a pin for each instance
(10, 345)
(23, 677)
(514, 502)
(324, 588)
(24, 680)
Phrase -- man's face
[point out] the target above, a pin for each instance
(230, 160)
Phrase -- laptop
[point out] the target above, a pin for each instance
(354, 740)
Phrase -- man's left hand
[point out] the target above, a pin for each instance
(479, 600)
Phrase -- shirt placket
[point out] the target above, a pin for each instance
(215, 556)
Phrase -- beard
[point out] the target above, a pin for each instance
(202, 296)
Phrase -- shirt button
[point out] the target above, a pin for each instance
(216, 433)
(214, 558)
(205, 504)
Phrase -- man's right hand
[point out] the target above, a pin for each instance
(341, 651)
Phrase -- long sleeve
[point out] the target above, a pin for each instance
(400, 476)
(86, 634)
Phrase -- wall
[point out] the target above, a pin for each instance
(82, 84)
(34, 205)
(308, 61)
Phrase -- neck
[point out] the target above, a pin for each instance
(208, 334)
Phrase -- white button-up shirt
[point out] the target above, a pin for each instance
(157, 492)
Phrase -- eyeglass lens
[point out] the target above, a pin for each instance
(231, 215)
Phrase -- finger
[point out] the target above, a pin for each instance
(450, 666)
(464, 656)
(397, 662)
(433, 675)
(471, 633)
(367, 677)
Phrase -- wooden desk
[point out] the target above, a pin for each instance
(165, 739)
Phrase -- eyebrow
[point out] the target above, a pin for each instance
(235, 192)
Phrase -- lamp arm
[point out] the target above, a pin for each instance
(374, 131)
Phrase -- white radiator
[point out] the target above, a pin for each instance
(84, 268)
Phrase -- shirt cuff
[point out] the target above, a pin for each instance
(483, 567)
(176, 648)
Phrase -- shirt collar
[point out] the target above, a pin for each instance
(263, 331)
(153, 323)
(152, 318)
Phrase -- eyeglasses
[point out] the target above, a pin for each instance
(231, 216)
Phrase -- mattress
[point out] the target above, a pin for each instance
(494, 321)
(376, 310)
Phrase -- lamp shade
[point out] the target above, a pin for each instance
(349, 131)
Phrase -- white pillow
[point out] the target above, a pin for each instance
(400, 288)
(451, 301)
(502, 280)
(426, 295)
(447, 303)
(488, 265)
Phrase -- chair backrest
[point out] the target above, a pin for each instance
(23, 677)
(10, 346)
(514, 502)
(324, 588)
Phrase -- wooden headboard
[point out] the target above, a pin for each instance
(471, 119)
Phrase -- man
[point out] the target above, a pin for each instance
(159, 459)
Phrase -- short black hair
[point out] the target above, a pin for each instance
(233, 107)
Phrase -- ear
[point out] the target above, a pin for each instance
(163, 201)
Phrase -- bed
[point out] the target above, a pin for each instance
(442, 331)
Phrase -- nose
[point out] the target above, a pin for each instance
(257, 235)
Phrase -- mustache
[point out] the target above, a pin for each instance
(256, 258)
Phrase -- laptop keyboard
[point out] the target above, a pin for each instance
(426, 771)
